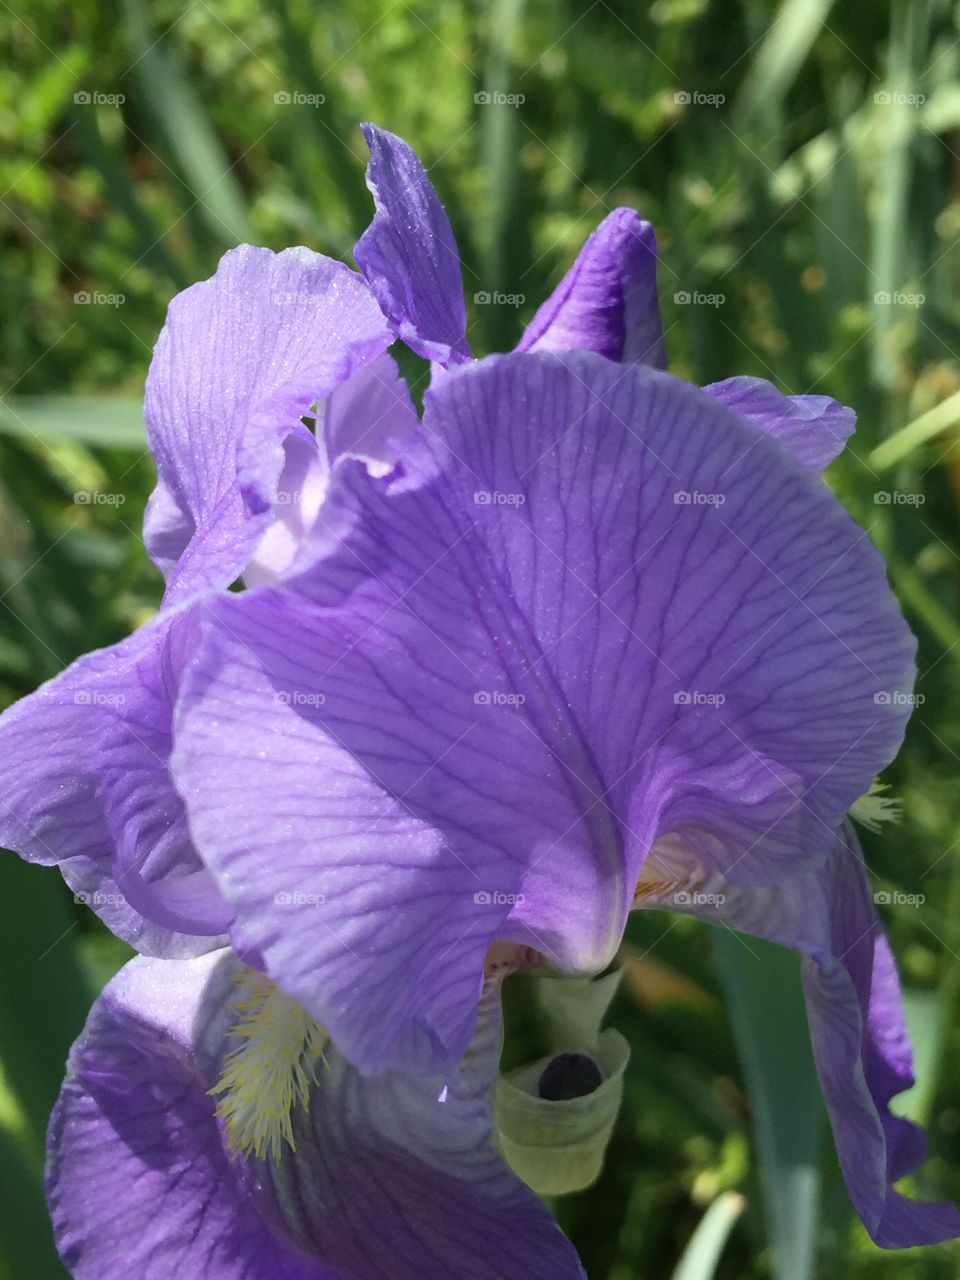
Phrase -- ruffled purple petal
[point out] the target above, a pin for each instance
(138, 1181)
(409, 254)
(242, 356)
(813, 428)
(857, 1026)
(855, 1011)
(517, 661)
(392, 1179)
(607, 302)
(85, 779)
(85, 783)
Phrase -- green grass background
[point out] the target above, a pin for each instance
(828, 174)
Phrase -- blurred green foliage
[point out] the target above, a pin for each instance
(823, 181)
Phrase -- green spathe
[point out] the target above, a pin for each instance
(558, 1147)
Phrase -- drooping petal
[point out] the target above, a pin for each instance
(241, 357)
(409, 254)
(855, 1010)
(138, 1181)
(814, 428)
(391, 1179)
(85, 783)
(607, 302)
(875, 1147)
(515, 662)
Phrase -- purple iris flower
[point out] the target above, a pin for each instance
(587, 639)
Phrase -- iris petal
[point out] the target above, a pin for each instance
(814, 428)
(607, 302)
(409, 254)
(138, 1180)
(241, 357)
(85, 783)
(515, 663)
(395, 1178)
(84, 776)
(855, 1012)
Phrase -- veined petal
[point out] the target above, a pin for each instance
(607, 302)
(85, 779)
(814, 428)
(516, 662)
(391, 1179)
(409, 254)
(416, 1156)
(855, 1012)
(85, 784)
(138, 1180)
(241, 357)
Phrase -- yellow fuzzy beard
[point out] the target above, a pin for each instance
(270, 1071)
(876, 808)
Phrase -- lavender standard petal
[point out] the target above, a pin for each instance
(607, 302)
(409, 254)
(241, 357)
